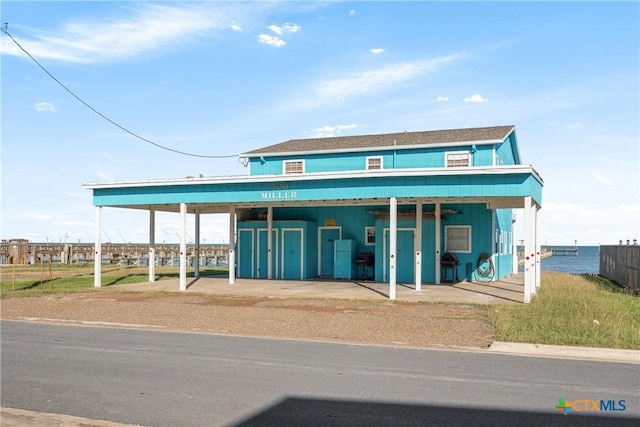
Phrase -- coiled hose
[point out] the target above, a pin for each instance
(484, 268)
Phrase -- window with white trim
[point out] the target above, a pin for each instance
(457, 238)
(293, 166)
(374, 162)
(370, 236)
(457, 159)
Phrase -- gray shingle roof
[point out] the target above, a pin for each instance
(385, 141)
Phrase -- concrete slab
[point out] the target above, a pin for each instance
(510, 290)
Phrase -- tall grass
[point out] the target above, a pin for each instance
(572, 310)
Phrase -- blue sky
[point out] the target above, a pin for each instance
(215, 78)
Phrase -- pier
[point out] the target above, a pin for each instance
(23, 252)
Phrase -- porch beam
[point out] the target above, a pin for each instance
(438, 242)
(269, 242)
(151, 263)
(393, 232)
(97, 260)
(418, 248)
(183, 246)
(197, 246)
(232, 248)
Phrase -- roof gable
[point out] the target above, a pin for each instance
(401, 140)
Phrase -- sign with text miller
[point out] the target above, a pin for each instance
(278, 191)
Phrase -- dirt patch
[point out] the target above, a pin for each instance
(367, 322)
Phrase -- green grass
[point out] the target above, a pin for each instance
(36, 280)
(572, 310)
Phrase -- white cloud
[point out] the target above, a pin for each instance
(127, 32)
(291, 28)
(475, 98)
(104, 176)
(376, 51)
(442, 98)
(271, 40)
(236, 27)
(603, 179)
(44, 107)
(352, 12)
(276, 29)
(375, 80)
(38, 216)
(328, 131)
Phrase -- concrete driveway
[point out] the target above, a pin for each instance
(507, 290)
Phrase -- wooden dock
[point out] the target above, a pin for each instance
(564, 251)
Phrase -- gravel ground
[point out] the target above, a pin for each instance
(367, 322)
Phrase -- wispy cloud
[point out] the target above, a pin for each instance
(127, 32)
(327, 131)
(373, 81)
(352, 12)
(43, 107)
(475, 98)
(104, 176)
(235, 27)
(38, 215)
(376, 51)
(603, 180)
(442, 98)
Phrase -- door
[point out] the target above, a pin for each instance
(405, 255)
(245, 253)
(327, 238)
(292, 254)
(263, 254)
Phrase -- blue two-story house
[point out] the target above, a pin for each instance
(409, 207)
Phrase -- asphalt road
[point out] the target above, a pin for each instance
(156, 378)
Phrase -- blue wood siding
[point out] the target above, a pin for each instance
(507, 151)
(482, 155)
(326, 189)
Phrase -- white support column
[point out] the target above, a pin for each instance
(269, 242)
(437, 215)
(197, 248)
(97, 260)
(232, 246)
(393, 234)
(529, 263)
(514, 249)
(538, 251)
(183, 246)
(418, 244)
(151, 264)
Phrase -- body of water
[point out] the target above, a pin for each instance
(587, 261)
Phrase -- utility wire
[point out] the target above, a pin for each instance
(4, 30)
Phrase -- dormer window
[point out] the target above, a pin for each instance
(293, 166)
(374, 163)
(458, 159)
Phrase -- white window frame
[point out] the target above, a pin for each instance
(371, 229)
(368, 160)
(447, 229)
(288, 162)
(457, 153)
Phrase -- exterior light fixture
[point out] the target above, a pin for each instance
(627, 242)
(620, 243)
(635, 242)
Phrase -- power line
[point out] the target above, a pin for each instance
(4, 30)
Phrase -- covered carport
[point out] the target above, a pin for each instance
(515, 187)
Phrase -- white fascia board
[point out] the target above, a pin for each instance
(364, 149)
(473, 170)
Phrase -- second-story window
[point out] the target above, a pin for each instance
(458, 159)
(293, 166)
(374, 162)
